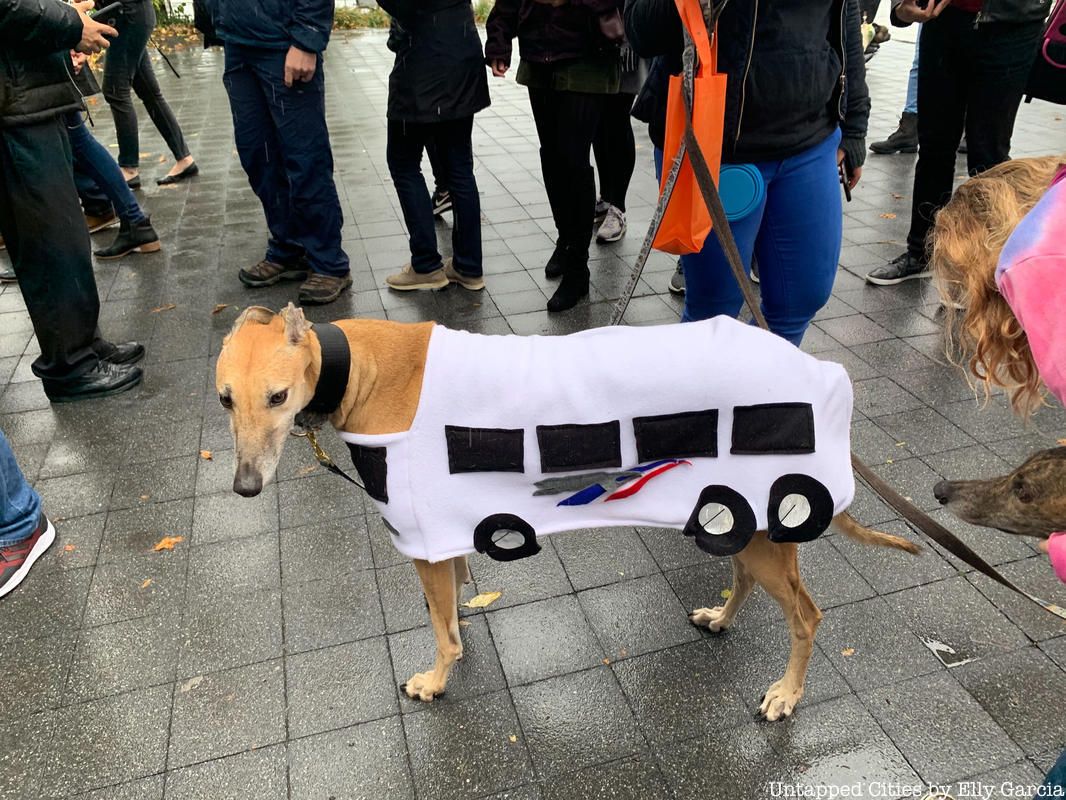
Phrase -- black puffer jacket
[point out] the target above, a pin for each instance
(439, 74)
(999, 11)
(546, 33)
(795, 68)
(36, 37)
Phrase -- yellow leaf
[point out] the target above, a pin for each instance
(483, 600)
(607, 661)
(69, 548)
(147, 583)
(167, 543)
(166, 307)
(145, 496)
(848, 651)
(308, 469)
(220, 307)
(207, 455)
(896, 196)
(888, 215)
(727, 593)
(464, 623)
(512, 738)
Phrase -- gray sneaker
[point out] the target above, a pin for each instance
(613, 227)
(407, 279)
(902, 268)
(677, 280)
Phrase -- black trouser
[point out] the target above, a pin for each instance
(455, 159)
(615, 149)
(566, 124)
(869, 9)
(127, 65)
(969, 77)
(44, 229)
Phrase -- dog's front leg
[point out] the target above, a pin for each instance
(719, 618)
(439, 582)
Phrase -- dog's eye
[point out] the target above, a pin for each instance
(279, 398)
(225, 400)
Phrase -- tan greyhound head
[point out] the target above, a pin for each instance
(264, 378)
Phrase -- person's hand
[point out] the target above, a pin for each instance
(909, 11)
(853, 175)
(1043, 545)
(93, 34)
(78, 60)
(299, 66)
(499, 67)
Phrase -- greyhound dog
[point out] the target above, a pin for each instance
(269, 371)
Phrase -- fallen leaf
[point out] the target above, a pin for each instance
(607, 661)
(483, 600)
(166, 307)
(220, 307)
(512, 738)
(192, 683)
(727, 593)
(901, 444)
(147, 583)
(145, 496)
(464, 623)
(889, 461)
(888, 215)
(308, 470)
(163, 159)
(848, 651)
(207, 455)
(167, 543)
(69, 548)
(896, 196)
(1062, 442)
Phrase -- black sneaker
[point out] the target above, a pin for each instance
(442, 202)
(16, 559)
(138, 238)
(103, 380)
(902, 268)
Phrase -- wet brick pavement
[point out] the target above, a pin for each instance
(260, 659)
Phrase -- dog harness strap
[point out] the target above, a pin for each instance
(336, 363)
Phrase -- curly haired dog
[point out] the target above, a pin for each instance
(984, 335)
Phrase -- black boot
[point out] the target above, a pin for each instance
(556, 265)
(902, 140)
(575, 283)
(103, 380)
(138, 238)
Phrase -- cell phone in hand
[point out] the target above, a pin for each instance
(108, 14)
(844, 181)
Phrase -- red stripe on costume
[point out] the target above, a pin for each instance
(632, 489)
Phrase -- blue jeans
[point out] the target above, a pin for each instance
(911, 105)
(283, 144)
(795, 234)
(1056, 779)
(96, 172)
(20, 506)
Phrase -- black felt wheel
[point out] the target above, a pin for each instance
(505, 537)
(800, 509)
(722, 522)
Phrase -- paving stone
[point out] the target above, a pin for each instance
(145, 789)
(136, 531)
(237, 567)
(598, 724)
(27, 687)
(628, 779)
(671, 549)
(829, 578)
(736, 763)
(124, 656)
(522, 581)
(1016, 780)
(230, 631)
(889, 570)
(467, 749)
(139, 587)
(226, 713)
(1056, 649)
(598, 557)
(260, 774)
(402, 598)
(1034, 576)
(227, 516)
(323, 613)
(46, 604)
(325, 551)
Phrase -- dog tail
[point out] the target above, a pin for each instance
(850, 527)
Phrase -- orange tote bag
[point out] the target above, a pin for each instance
(687, 222)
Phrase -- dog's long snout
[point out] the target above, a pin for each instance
(942, 492)
(248, 482)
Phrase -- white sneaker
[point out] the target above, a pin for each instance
(613, 227)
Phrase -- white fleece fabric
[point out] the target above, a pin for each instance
(601, 375)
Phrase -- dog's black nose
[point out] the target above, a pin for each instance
(942, 492)
(247, 482)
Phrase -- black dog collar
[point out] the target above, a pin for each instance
(333, 378)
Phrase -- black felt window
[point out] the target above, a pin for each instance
(692, 434)
(773, 429)
(484, 449)
(573, 447)
(371, 465)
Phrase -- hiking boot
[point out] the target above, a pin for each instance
(556, 265)
(320, 289)
(902, 140)
(407, 279)
(99, 222)
(602, 206)
(101, 381)
(442, 202)
(267, 273)
(677, 280)
(613, 227)
(474, 283)
(136, 238)
(902, 268)
(16, 559)
(7, 275)
(574, 285)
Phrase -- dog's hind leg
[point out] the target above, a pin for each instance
(439, 581)
(719, 618)
(775, 567)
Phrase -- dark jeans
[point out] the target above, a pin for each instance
(42, 224)
(100, 183)
(615, 149)
(440, 177)
(1056, 779)
(283, 144)
(566, 124)
(128, 66)
(455, 160)
(969, 78)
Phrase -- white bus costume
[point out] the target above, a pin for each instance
(715, 428)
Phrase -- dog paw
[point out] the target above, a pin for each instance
(713, 619)
(421, 687)
(779, 701)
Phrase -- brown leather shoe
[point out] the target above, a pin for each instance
(267, 273)
(99, 222)
(320, 289)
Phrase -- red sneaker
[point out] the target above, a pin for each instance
(16, 560)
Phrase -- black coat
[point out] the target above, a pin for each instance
(999, 11)
(36, 37)
(546, 34)
(439, 73)
(270, 24)
(795, 68)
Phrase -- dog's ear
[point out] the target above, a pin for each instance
(254, 313)
(296, 325)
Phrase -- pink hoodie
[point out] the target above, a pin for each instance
(1032, 277)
